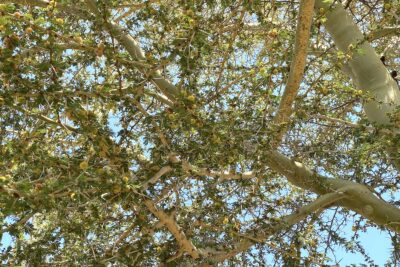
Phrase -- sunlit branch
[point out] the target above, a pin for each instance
(296, 67)
(136, 53)
(221, 175)
(185, 244)
(340, 121)
(364, 68)
(389, 31)
(156, 177)
(160, 98)
(133, 48)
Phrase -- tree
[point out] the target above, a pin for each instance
(196, 132)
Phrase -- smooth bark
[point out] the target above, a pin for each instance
(365, 69)
(359, 197)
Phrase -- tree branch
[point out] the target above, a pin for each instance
(125, 39)
(174, 228)
(285, 222)
(364, 68)
(156, 177)
(133, 48)
(383, 33)
(40, 3)
(44, 118)
(133, 8)
(221, 175)
(296, 67)
(360, 199)
(167, 220)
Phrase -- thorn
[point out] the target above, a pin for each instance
(383, 58)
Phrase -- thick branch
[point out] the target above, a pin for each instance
(174, 228)
(365, 68)
(156, 177)
(360, 199)
(136, 53)
(167, 220)
(296, 67)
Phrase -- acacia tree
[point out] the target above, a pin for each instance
(196, 132)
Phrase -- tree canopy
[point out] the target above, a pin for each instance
(197, 133)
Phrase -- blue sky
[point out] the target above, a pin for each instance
(377, 244)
